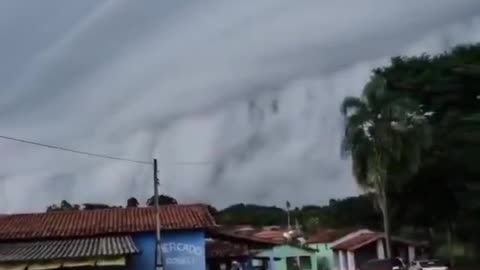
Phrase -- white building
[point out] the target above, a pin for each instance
(357, 248)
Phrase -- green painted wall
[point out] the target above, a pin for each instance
(285, 251)
(324, 256)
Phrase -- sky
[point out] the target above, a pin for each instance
(238, 100)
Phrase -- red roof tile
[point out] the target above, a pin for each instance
(69, 224)
(357, 241)
(364, 239)
(328, 235)
(223, 235)
(271, 235)
(218, 248)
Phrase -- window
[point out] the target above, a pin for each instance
(305, 262)
(302, 262)
(292, 263)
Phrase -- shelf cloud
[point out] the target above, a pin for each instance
(238, 100)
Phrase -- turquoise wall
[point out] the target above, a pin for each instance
(182, 250)
(324, 256)
(284, 251)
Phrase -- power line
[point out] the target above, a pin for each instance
(193, 163)
(75, 151)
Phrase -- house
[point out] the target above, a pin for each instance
(288, 248)
(223, 249)
(357, 248)
(322, 241)
(118, 238)
(285, 256)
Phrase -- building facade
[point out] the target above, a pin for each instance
(123, 238)
(181, 250)
(322, 241)
(357, 249)
(285, 257)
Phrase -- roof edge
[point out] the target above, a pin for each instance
(107, 209)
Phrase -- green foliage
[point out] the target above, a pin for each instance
(64, 206)
(132, 202)
(162, 200)
(445, 193)
(349, 212)
(95, 206)
(447, 84)
(252, 214)
(385, 133)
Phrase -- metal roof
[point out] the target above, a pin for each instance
(67, 249)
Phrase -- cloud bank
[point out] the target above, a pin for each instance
(238, 100)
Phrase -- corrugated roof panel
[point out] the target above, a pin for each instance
(67, 249)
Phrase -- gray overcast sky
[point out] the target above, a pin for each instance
(197, 81)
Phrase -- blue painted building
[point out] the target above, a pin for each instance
(120, 238)
(181, 250)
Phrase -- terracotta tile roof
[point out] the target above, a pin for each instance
(357, 241)
(364, 239)
(70, 224)
(328, 235)
(66, 249)
(217, 248)
(227, 243)
(271, 235)
(221, 234)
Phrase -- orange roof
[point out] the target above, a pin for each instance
(328, 235)
(67, 224)
(273, 235)
(364, 239)
(357, 241)
(236, 237)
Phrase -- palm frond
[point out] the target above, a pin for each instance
(391, 146)
(375, 90)
(352, 104)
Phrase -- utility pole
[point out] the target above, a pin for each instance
(288, 215)
(158, 247)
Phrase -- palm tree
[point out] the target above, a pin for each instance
(385, 134)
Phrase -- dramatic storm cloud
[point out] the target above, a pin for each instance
(238, 100)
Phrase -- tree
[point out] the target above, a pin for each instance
(96, 206)
(162, 200)
(351, 212)
(447, 84)
(385, 134)
(255, 215)
(311, 225)
(64, 206)
(132, 202)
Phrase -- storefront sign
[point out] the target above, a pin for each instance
(184, 251)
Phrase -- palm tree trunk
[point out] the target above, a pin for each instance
(386, 227)
(450, 244)
(379, 178)
(383, 204)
